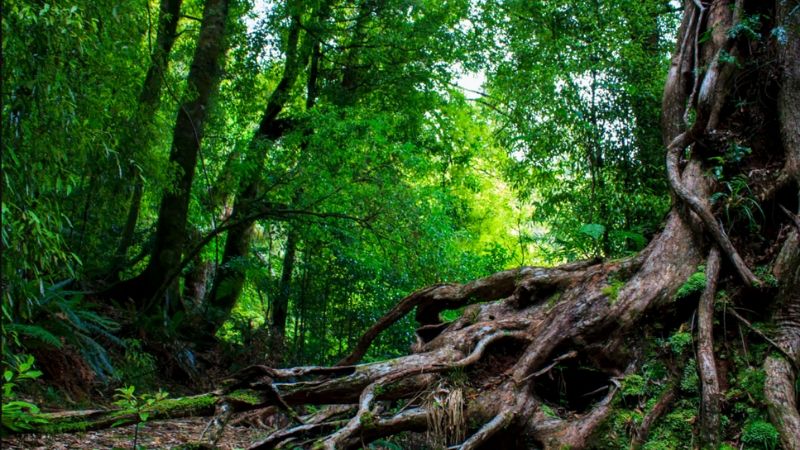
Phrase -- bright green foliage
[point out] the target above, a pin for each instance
(680, 341)
(693, 285)
(19, 415)
(126, 398)
(760, 435)
(580, 118)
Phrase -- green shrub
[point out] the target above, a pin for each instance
(19, 415)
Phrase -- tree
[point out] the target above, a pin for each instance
(519, 325)
(170, 236)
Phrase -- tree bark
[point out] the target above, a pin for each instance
(229, 280)
(202, 84)
(137, 137)
(706, 363)
(280, 306)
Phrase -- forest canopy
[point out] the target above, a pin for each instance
(205, 190)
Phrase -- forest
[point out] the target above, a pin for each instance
(401, 224)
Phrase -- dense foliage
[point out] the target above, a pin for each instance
(337, 155)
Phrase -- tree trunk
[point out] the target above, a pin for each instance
(137, 137)
(280, 306)
(481, 381)
(171, 230)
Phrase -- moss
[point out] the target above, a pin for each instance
(764, 273)
(164, 408)
(368, 419)
(246, 396)
(760, 434)
(633, 385)
(186, 403)
(548, 412)
(553, 299)
(693, 285)
(690, 380)
(612, 289)
(680, 342)
(675, 428)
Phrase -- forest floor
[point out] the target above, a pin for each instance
(152, 435)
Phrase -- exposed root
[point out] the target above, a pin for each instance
(674, 151)
(706, 363)
(432, 300)
(488, 430)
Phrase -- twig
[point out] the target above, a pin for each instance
(568, 355)
(755, 330)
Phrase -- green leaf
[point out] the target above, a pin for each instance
(593, 230)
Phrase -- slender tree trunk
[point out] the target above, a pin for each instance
(280, 306)
(138, 136)
(229, 280)
(202, 82)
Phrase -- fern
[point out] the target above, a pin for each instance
(34, 332)
(60, 316)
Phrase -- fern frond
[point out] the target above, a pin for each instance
(35, 332)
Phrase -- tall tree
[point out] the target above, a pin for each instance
(136, 135)
(596, 313)
(202, 82)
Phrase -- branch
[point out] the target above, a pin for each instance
(760, 333)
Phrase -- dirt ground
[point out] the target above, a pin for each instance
(152, 435)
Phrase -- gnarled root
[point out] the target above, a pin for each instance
(522, 324)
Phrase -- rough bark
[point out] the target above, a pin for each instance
(202, 84)
(229, 281)
(706, 363)
(136, 137)
(782, 370)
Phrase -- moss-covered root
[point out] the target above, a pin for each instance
(192, 406)
(72, 421)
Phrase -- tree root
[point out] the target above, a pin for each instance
(432, 300)
(703, 212)
(782, 371)
(706, 363)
